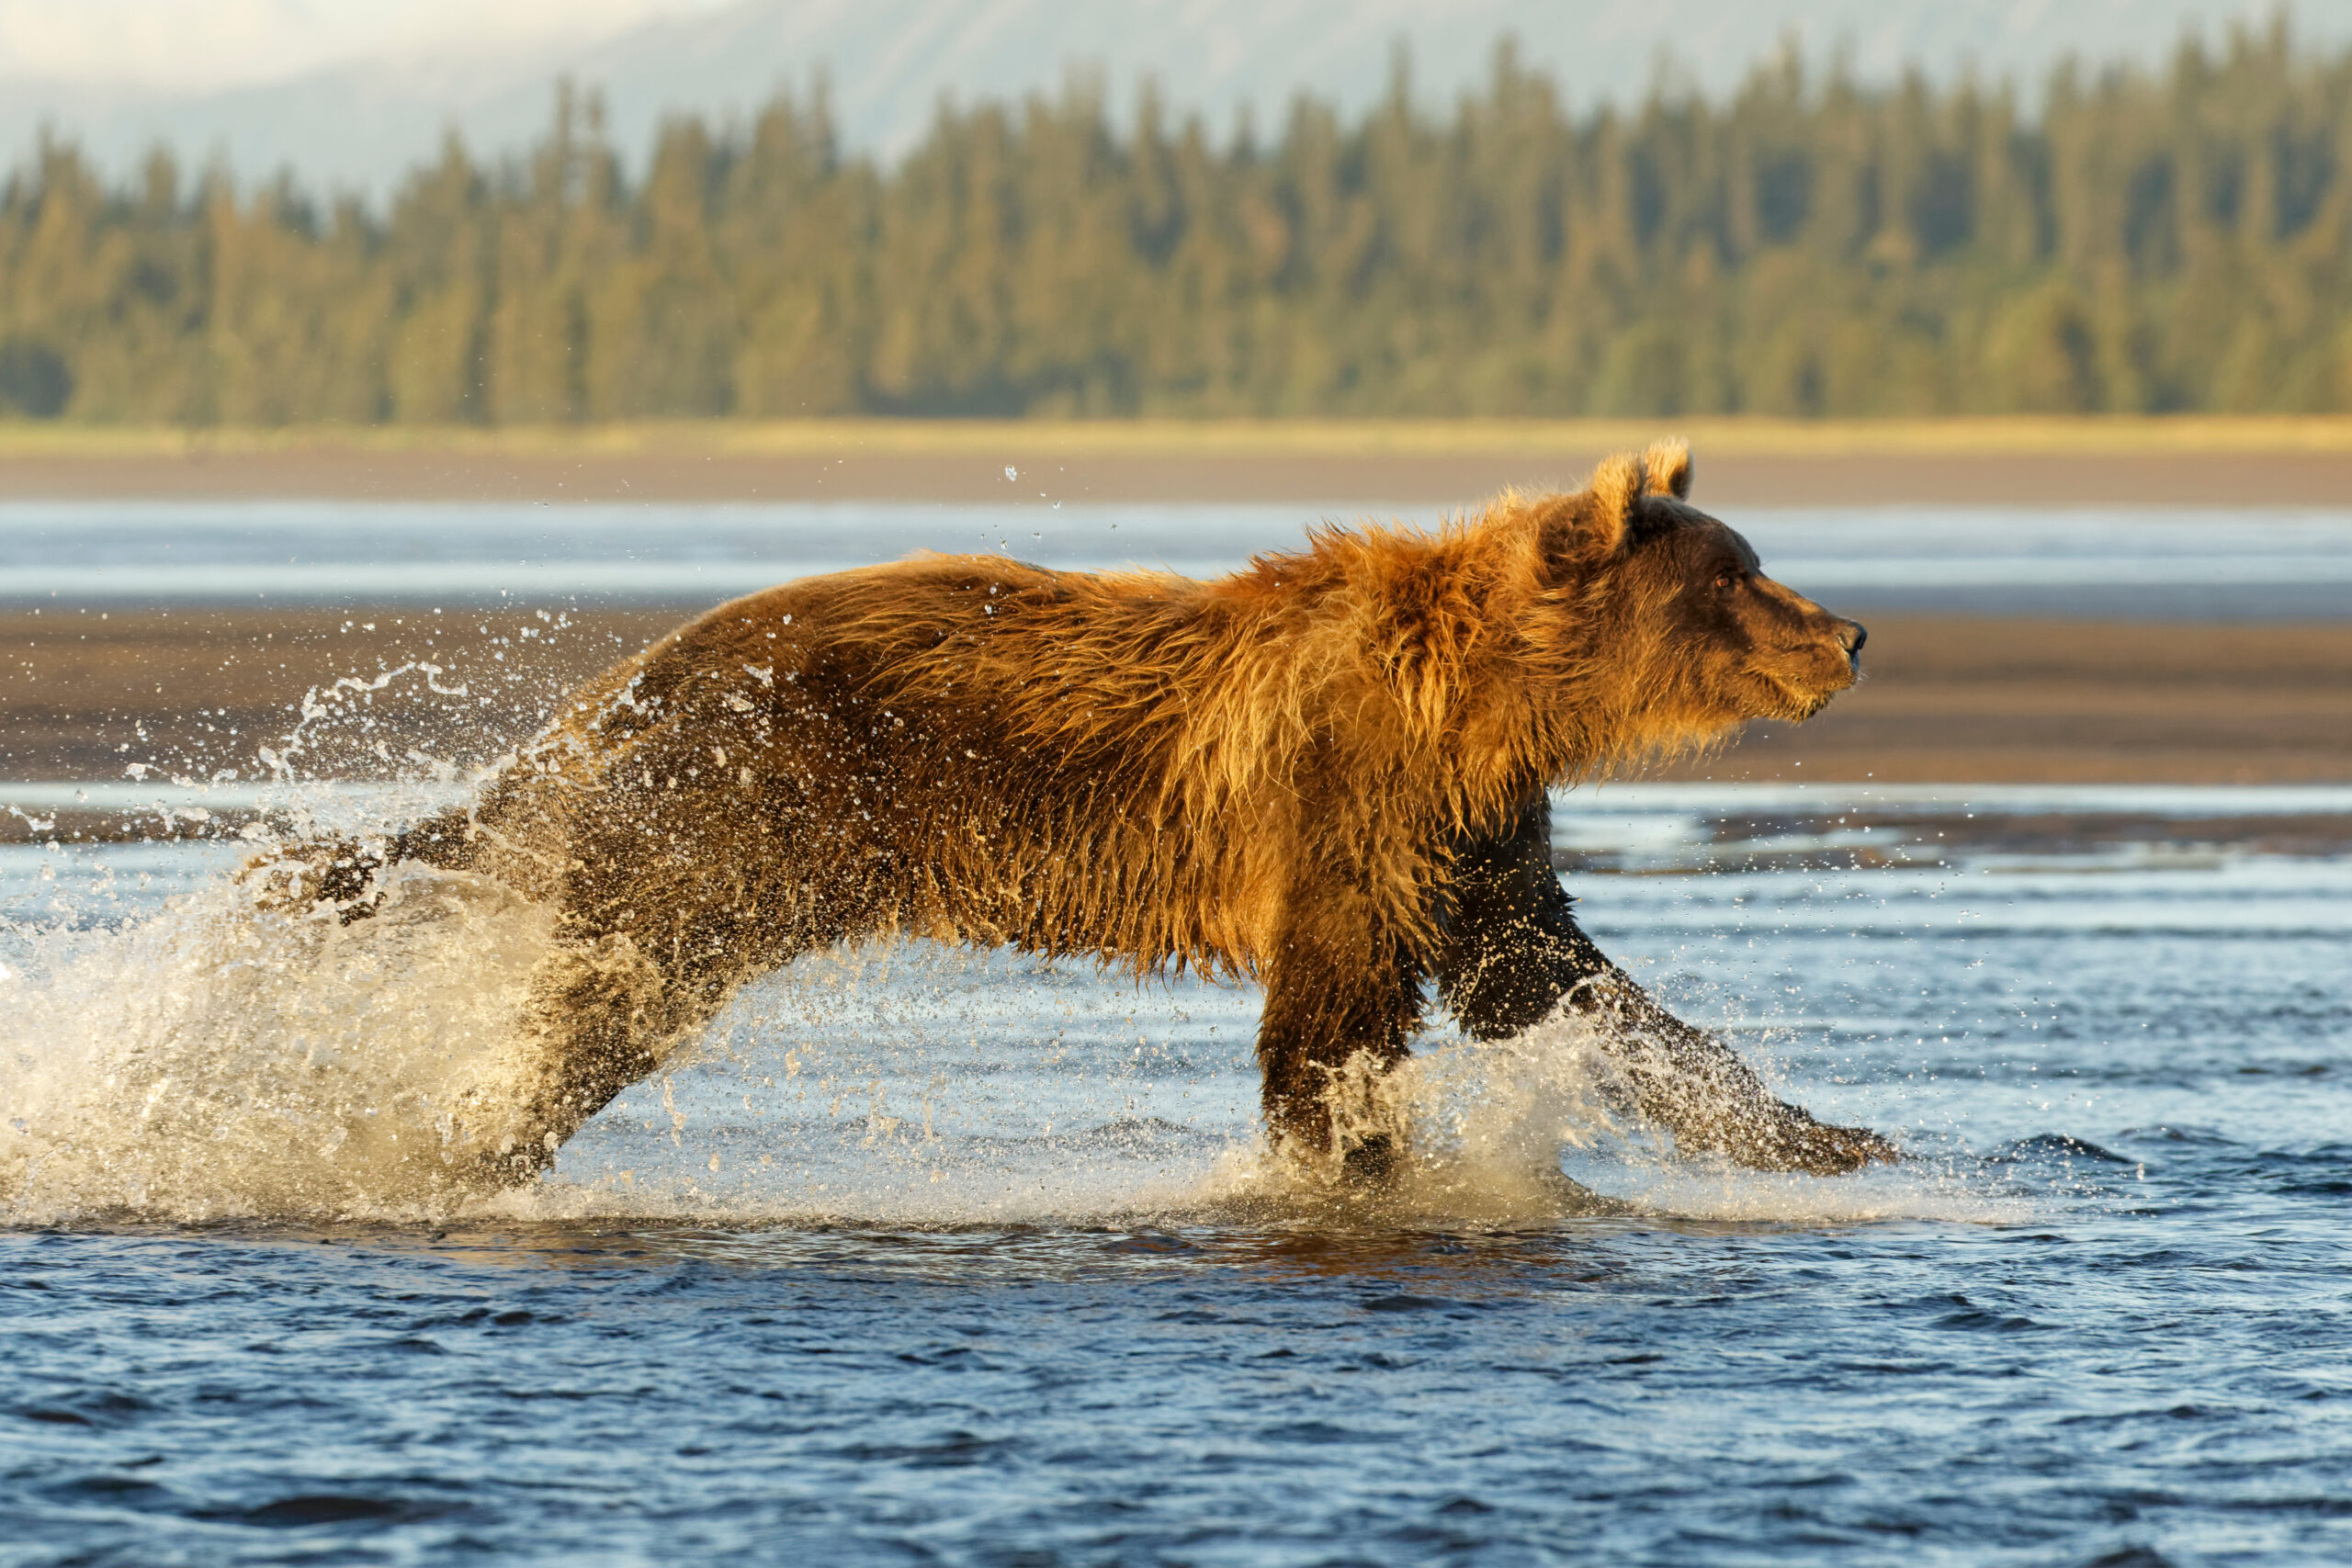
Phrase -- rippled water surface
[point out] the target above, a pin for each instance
(926, 1257)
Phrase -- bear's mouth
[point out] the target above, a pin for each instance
(1806, 676)
(1799, 700)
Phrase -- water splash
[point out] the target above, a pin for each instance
(219, 1058)
(222, 1057)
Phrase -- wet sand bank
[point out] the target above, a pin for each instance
(1751, 479)
(1949, 699)
(85, 695)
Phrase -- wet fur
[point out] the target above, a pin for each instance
(1273, 775)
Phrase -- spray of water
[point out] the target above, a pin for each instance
(227, 1057)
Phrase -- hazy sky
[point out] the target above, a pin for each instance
(352, 94)
(199, 45)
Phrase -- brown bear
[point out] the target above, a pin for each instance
(1325, 773)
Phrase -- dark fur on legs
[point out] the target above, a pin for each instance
(1514, 952)
(1323, 772)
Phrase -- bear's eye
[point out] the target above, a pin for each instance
(1729, 579)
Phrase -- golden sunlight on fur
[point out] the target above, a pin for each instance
(1324, 773)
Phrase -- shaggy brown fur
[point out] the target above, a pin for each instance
(1324, 773)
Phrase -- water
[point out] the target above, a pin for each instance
(946, 1257)
(2275, 564)
(939, 1257)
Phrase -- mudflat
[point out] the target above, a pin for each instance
(89, 694)
(86, 694)
(1954, 699)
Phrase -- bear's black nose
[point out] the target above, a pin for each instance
(1851, 637)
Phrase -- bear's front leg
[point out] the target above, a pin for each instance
(1342, 997)
(1513, 951)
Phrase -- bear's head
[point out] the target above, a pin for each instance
(1670, 615)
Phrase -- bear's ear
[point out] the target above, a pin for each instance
(1666, 465)
(1615, 489)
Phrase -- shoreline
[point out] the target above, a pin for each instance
(2215, 462)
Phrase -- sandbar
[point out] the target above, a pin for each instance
(2209, 462)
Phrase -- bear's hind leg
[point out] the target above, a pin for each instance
(599, 1017)
(345, 871)
(646, 957)
(604, 1013)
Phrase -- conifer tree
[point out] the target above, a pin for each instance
(2109, 240)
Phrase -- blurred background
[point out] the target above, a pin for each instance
(373, 370)
(2023, 330)
(288, 210)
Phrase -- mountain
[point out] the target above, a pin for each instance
(358, 124)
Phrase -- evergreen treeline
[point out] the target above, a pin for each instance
(2181, 240)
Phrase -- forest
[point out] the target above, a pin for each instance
(2105, 240)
